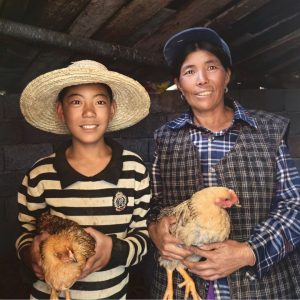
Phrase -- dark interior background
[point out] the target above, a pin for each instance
(37, 36)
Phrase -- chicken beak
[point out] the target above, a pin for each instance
(71, 256)
(235, 198)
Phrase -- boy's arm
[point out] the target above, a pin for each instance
(130, 250)
(30, 203)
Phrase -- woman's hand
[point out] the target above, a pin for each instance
(222, 259)
(103, 250)
(168, 246)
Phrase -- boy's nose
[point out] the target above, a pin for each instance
(88, 110)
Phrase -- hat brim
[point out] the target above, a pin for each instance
(38, 99)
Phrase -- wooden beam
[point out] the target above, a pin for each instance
(128, 19)
(226, 19)
(197, 11)
(93, 16)
(263, 44)
(55, 15)
(42, 36)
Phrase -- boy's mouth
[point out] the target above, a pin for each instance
(89, 126)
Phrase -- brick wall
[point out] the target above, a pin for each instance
(21, 145)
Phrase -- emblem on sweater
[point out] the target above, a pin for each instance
(120, 201)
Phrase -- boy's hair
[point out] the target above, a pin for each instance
(192, 47)
(64, 91)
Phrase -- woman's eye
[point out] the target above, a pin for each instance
(190, 71)
(211, 68)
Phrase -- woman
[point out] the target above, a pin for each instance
(218, 142)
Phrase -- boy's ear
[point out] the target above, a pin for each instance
(113, 109)
(59, 111)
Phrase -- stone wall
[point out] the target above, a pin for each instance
(21, 145)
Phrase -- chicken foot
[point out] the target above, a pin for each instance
(169, 290)
(189, 285)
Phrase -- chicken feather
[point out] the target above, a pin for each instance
(64, 253)
(199, 220)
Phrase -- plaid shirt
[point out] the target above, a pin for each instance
(269, 247)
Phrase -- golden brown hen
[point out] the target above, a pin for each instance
(199, 220)
(64, 253)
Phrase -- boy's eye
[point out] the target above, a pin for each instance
(101, 102)
(75, 101)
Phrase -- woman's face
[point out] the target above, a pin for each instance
(202, 81)
(87, 110)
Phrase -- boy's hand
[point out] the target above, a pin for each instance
(31, 255)
(103, 250)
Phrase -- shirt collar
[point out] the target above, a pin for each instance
(111, 173)
(240, 114)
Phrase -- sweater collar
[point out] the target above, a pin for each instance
(111, 173)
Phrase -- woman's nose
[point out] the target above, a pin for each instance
(201, 77)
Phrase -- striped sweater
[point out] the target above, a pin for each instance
(115, 202)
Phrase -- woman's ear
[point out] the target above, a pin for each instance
(227, 77)
(59, 111)
(176, 81)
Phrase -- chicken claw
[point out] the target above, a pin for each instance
(189, 285)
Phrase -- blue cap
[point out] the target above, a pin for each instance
(176, 44)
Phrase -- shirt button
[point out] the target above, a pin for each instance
(211, 170)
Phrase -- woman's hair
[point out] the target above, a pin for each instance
(192, 47)
(64, 91)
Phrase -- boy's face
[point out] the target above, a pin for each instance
(87, 110)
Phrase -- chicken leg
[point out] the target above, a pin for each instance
(53, 295)
(189, 285)
(68, 295)
(169, 290)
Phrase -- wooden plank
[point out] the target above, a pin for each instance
(55, 15)
(14, 9)
(263, 19)
(226, 19)
(93, 16)
(196, 12)
(87, 22)
(279, 35)
(278, 54)
(128, 19)
(150, 26)
(284, 63)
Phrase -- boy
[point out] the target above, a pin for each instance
(91, 180)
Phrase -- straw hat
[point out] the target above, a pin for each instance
(40, 95)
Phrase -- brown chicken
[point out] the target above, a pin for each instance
(200, 220)
(64, 253)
